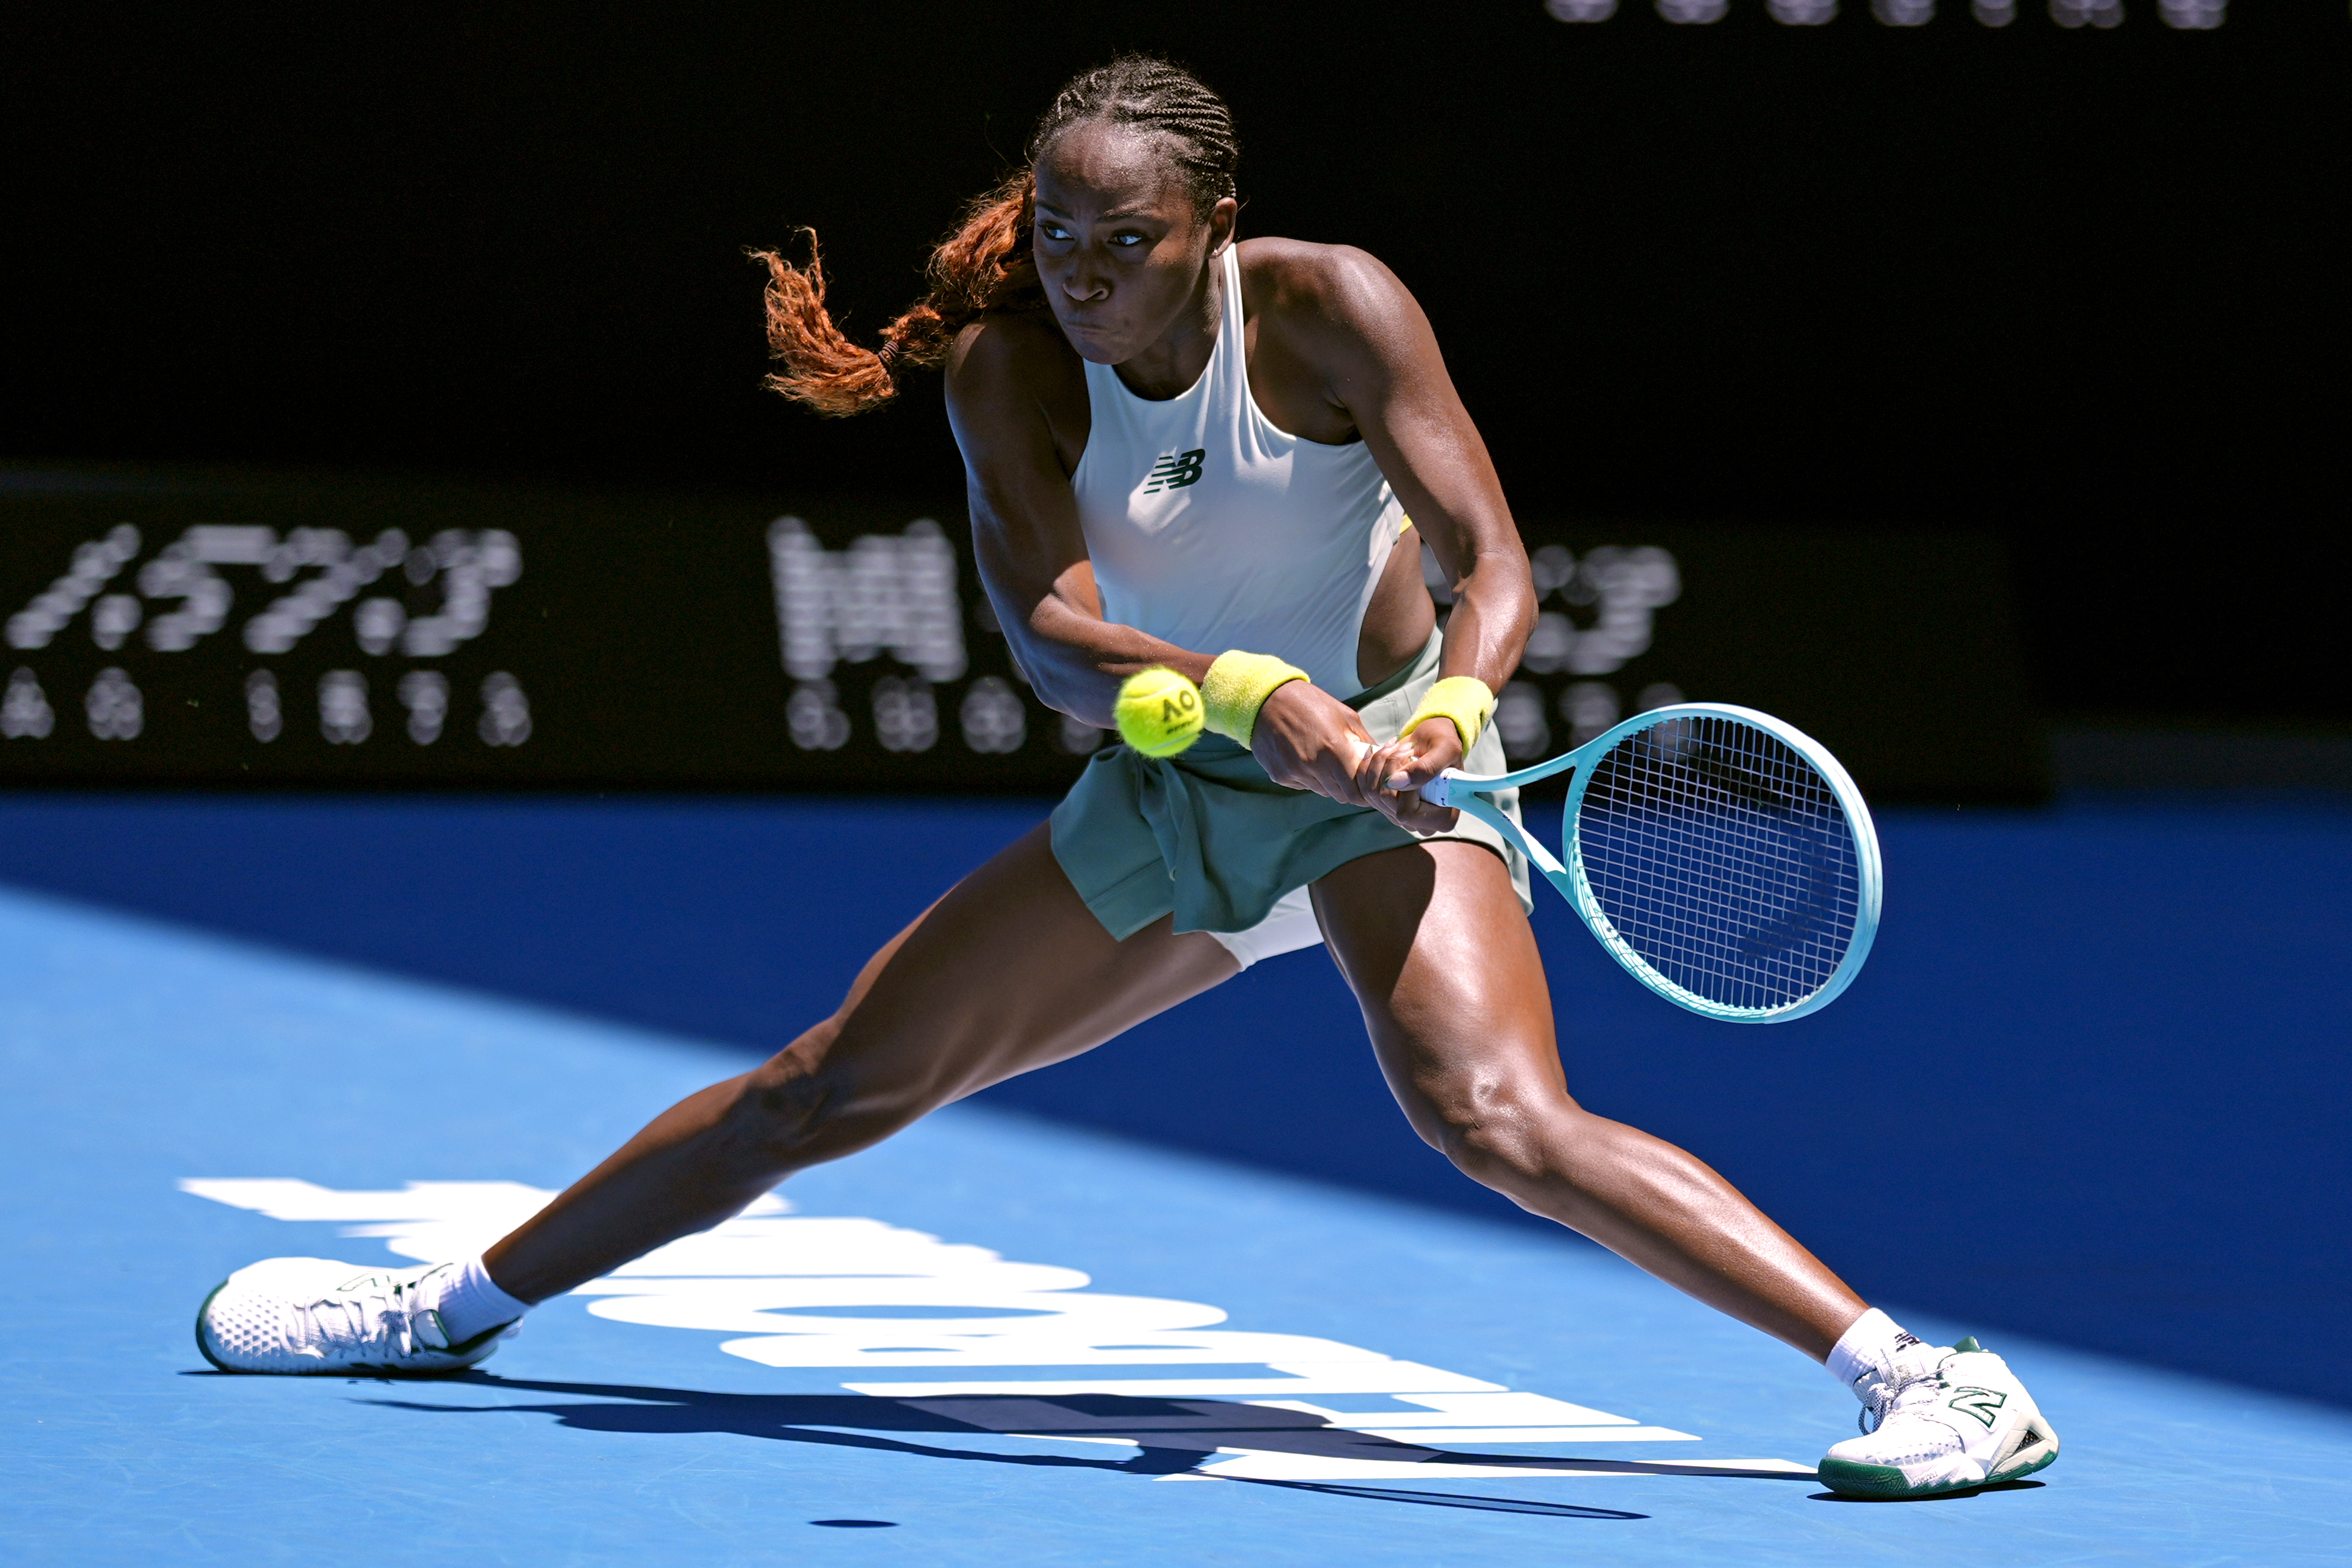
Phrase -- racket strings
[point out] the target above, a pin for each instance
(1723, 860)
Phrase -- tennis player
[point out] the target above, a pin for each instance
(1190, 451)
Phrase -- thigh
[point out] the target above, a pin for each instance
(1444, 964)
(1010, 971)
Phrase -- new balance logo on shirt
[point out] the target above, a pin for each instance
(1176, 470)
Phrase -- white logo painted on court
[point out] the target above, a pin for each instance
(785, 1283)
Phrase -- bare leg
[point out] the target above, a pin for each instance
(1007, 973)
(1445, 967)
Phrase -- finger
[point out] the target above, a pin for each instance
(1428, 752)
(1392, 806)
(1417, 816)
(1335, 773)
(1379, 764)
(1376, 764)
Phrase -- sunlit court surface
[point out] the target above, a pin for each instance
(535, 542)
(1157, 1353)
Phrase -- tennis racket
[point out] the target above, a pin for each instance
(1723, 857)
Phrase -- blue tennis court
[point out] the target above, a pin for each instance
(381, 1030)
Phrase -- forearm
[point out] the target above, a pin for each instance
(1074, 660)
(1493, 611)
(1034, 567)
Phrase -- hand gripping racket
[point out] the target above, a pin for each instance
(1722, 856)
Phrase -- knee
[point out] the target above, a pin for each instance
(796, 1109)
(789, 1108)
(1511, 1137)
(781, 1116)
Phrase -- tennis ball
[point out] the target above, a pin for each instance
(1160, 712)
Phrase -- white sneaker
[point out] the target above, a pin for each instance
(315, 1315)
(1944, 1420)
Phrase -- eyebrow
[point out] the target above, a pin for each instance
(1114, 215)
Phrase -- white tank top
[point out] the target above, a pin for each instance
(1212, 529)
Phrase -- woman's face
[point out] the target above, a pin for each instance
(1119, 249)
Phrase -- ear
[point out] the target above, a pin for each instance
(1225, 218)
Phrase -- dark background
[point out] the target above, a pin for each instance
(2081, 288)
(643, 631)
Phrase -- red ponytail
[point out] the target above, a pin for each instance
(984, 266)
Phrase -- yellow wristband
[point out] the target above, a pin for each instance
(1238, 685)
(1464, 699)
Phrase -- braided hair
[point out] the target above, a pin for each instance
(984, 263)
(1150, 94)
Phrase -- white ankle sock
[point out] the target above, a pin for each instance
(1866, 1349)
(472, 1302)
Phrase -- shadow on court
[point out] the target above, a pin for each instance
(1174, 1434)
(1939, 1497)
(1446, 1499)
(2143, 1118)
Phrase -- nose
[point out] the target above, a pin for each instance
(1083, 285)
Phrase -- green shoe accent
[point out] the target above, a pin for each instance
(2039, 1451)
(1969, 1347)
(1848, 1478)
(202, 1348)
(2024, 1470)
(1886, 1483)
(466, 1347)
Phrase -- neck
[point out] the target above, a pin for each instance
(1171, 365)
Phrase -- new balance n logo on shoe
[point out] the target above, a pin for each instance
(1176, 470)
(1979, 1403)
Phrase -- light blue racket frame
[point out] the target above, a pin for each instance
(1466, 792)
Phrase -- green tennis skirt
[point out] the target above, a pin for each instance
(1207, 836)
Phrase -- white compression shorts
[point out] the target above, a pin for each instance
(1288, 928)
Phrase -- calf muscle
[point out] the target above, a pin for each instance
(1444, 967)
(1008, 972)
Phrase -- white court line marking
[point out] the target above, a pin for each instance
(1262, 1465)
(783, 1279)
(1428, 1435)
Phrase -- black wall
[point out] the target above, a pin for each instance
(640, 642)
(2082, 287)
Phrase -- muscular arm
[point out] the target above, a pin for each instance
(1347, 316)
(1016, 397)
(1343, 318)
(1342, 337)
(1007, 381)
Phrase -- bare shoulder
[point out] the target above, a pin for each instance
(1323, 295)
(1009, 355)
(1017, 393)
